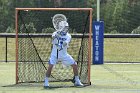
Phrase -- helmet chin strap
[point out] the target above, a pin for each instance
(64, 31)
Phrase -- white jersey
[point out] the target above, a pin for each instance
(63, 51)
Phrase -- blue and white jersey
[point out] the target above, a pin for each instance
(62, 52)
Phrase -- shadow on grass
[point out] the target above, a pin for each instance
(27, 85)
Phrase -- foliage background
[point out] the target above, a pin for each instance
(120, 16)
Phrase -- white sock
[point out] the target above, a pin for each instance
(46, 81)
(77, 78)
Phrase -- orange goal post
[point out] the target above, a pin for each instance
(34, 28)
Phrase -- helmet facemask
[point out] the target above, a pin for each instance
(64, 26)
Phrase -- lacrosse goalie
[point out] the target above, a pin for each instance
(60, 40)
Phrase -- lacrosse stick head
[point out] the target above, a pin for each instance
(57, 18)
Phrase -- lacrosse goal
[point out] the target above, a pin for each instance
(34, 28)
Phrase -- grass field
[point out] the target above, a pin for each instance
(122, 49)
(107, 78)
(10, 49)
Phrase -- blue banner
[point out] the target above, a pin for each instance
(98, 42)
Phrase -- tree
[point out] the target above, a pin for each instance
(6, 14)
(132, 16)
(113, 13)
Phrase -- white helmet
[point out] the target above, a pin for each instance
(64, 26)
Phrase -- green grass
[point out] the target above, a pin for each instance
(122, 49)
(107, 78)
(10, 49)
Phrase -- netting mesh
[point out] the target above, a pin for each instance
(34, 46)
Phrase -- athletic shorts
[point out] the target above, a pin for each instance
(67, 60)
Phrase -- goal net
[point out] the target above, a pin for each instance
(34, 28)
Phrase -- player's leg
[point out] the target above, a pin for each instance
(52, 62)
(70, 61)
(48, 73)
(76, 77)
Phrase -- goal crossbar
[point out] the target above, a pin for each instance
(57, 9)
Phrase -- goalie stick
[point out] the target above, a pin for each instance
(56, 19)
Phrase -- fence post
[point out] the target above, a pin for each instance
(6, 49)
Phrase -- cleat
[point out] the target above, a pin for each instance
(46, 87)
(78, 84)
